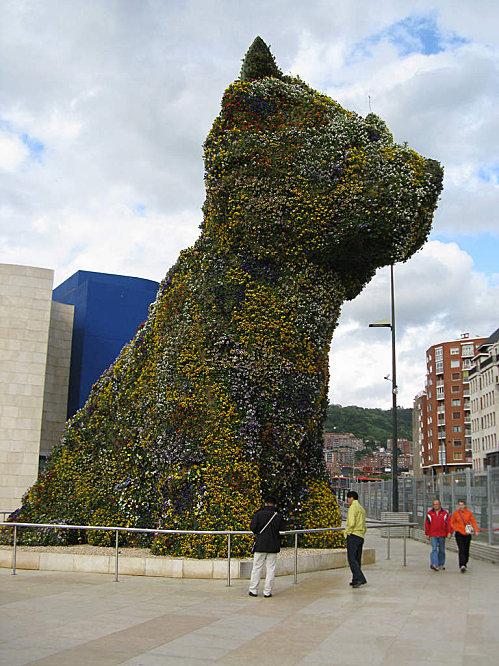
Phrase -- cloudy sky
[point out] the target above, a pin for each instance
(104, 106)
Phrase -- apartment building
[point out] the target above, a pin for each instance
(484, 395)
(446, 440)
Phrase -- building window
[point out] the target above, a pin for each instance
(454, 351)
(454, 363)
(456, 428)
(456, 403)
(458, 455)
(467, 350)
(439, 367)
(456, 415)
(456, 375)
(458, 442)
(439, 353)
(455, 389)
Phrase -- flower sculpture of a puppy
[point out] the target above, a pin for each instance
(221, 395)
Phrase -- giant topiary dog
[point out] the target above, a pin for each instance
(221, 395)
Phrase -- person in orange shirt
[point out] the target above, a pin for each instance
(463, 524)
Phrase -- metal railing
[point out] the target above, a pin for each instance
(228, 533)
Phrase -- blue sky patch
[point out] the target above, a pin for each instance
(413, 34)
(482, 247)
(489, 173)
(34, 146)
(140, 209)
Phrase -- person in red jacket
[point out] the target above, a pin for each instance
(437, 528)
(463, 524)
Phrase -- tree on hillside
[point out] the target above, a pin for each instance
(368, 424)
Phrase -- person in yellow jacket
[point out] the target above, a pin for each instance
(355, 532)
(463, 524)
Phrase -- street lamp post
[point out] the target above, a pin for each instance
(391, 325)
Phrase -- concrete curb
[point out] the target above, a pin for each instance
(175, 567)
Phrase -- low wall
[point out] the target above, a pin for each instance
(170, 567)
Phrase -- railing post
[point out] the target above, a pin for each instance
(228, 559)
(116, 558)
(469, 500)
(490, 517)
(14, 551)
(388, 545)
(405, 547)
(296, 560)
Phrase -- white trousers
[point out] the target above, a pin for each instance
(259, 559)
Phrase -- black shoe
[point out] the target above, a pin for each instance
(267, 596)
(252, 594)
(356, 585)
(433, 568)
(351, 583)
(463, 569)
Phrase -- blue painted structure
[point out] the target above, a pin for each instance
(108, 311)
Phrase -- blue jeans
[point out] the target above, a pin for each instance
(437, 556)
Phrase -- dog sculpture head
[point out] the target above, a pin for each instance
(293, 177)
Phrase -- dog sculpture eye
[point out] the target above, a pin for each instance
(373, 134)
(260, 106)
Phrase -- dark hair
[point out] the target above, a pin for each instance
(353, 493)
(461, 500)
(269, 499)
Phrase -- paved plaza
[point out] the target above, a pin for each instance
(403, 616)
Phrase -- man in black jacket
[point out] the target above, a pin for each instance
(265, 524)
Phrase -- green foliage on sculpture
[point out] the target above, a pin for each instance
(259, 62)
(222, 394)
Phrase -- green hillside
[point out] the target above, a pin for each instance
(368, 423)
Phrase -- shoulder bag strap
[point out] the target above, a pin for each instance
(267, 524)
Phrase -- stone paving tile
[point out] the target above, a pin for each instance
(403, 616)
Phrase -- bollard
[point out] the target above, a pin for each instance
(116, 559)
(296, 560)
(14, 552)
(388, 545)
(405, 548)
(228, 560)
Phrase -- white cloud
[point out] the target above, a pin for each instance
(12, 152)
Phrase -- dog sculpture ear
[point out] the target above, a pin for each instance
(259, 62)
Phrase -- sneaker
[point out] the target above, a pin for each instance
(252, 594)
(463, 569)
(433, 567)
(267, 596)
